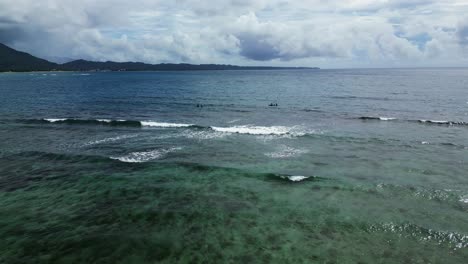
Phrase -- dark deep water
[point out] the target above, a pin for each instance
(353, 166)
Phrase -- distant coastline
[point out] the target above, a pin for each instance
(12, 60)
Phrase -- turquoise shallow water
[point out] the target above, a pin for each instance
(352, 166)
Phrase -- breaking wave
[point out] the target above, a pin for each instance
(295, 178)
(294, 131)
(260, 130)
(163, 124)
(421, 121)
(377, 118)
(443, 122)
(72, 121)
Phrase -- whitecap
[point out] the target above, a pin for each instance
(464, 199)
(381, 118)
(296, 178)
(53, 120)
(109, 120)
(145, 156)
(254, 130)
(387, 118)
(163, 124)
(435, 121)
(444, 122)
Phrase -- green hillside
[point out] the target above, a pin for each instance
(13, 60)
(17, 61)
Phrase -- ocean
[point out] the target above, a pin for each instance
(282, 166)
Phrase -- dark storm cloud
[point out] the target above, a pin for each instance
(12, 30)
(9, 34)
(29, 38)
(261, 48)
(462, 34)
(256, 48)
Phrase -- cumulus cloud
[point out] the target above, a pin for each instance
(307, 33)
(264, 41)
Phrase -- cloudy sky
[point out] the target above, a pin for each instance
(328, 34)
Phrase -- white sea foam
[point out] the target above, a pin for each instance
(435, 121)
(286, 152)
(444, 122)
(53, 120)
(202, 134)
(457, 240)
(81, 74)
(381, 118)
(108, 120)
(387, 118)
(145, 156)
(233, 121)
(254, 130)
(163, 124)
(111, 139)
(297, 178)
(464, 199)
